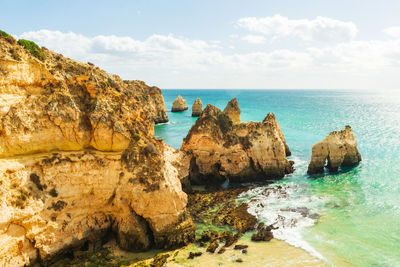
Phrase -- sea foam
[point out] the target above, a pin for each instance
(286, 207)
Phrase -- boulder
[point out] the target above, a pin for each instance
(197, 108)
(222, 147)
(338, 149)
(263, 233)
(179, 104)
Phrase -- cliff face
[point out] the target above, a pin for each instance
(78, 160)
(338, 149)
(224, 148)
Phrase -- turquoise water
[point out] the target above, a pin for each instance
(359, 208)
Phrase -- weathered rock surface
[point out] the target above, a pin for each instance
(233, 111)
(78, 160)
(224, 148)
(338, 149)
(220, 208)
(197, 108)
(179, 104)
(263, 233)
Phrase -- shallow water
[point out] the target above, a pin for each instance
(359, 208)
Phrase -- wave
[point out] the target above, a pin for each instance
(164, 123)
(288, 208)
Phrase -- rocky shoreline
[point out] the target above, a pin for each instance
(80, 166)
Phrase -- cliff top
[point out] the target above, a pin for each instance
(46, 90)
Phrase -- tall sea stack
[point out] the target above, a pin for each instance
(197, 108)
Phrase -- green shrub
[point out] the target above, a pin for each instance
(7, 37)
(33, 48)
(4, 34)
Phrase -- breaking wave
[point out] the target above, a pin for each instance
(289, 208)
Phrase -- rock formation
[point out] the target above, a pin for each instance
(155, 100)
(338, 149)
(233, 111)
(224, 148)
(179, 104)
(197, 108)
(78, 161)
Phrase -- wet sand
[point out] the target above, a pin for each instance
(273, 253)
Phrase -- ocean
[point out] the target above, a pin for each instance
(356, 212)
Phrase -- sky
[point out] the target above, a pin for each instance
(230, 44)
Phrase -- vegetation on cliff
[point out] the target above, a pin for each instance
(3, 34)
(33, 48)
(78, 160)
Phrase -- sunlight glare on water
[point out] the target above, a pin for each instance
(359, 208)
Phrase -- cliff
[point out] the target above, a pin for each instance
(338, 149)
(222, 147)
(78, 160)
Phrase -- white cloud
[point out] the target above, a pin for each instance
(254, 39)
(67, 43)
(176, 62)
(319, 29)
(392, 32)
(72, 43)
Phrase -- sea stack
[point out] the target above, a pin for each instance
(197, 108)
(179, 104)
(224, 148)
(78, 161)
(233, 111)
(338, 149)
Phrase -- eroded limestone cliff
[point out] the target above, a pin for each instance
(222, 147)
(78, 160)
(338, 149)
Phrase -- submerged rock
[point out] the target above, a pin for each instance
(78, 161)
(179, 104)
(224, 148)
(197, 108)
(338, 149)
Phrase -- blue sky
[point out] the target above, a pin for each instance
(317, 44)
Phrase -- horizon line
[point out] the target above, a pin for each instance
(289, 89)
